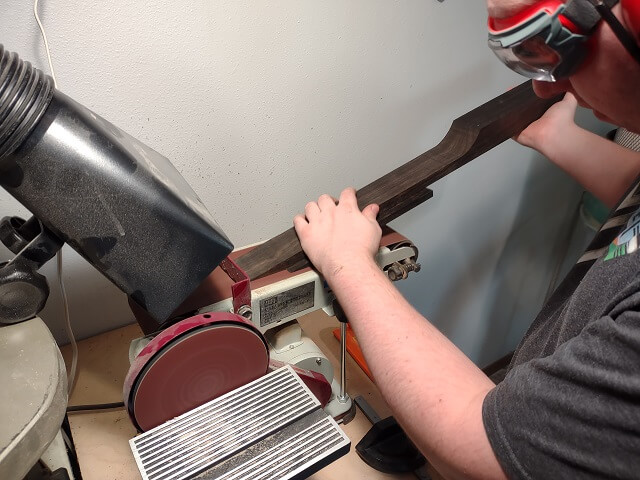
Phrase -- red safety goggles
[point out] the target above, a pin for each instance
(548, 40)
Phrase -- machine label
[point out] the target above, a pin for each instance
(286, 303)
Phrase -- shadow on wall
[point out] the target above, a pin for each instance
(538, 245)
(547, 239)
(484, 287)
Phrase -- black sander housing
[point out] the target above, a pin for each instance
(117, 202)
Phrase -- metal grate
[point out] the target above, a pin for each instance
(270, 428)
(627, 139)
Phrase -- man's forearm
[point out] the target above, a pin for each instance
(602, 167)
(435, 391)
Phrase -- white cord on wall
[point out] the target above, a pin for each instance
(65, 301)
(46, 42)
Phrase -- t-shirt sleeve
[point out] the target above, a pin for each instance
(576, 413)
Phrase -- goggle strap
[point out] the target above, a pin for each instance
(583, 14)
(625, 38)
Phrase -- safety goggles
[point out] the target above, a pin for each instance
(548, 40)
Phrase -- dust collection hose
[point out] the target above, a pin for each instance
(120, 204)
(25, 93)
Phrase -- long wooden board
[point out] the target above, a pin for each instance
(470, 136)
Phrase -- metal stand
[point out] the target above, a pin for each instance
(342, 398)
(346, 405)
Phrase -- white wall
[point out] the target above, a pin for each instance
(264, 105)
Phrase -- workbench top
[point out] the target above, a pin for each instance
(102, 437)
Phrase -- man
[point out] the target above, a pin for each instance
(570, 404)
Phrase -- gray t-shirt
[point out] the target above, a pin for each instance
(569, 407)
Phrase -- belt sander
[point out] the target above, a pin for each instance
(231, 333)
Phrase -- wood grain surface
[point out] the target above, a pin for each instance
(399, 191)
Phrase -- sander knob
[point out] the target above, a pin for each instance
(23, 292)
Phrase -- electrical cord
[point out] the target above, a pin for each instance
(46, 42)
(63, 292)
(97, 406)
(67, 322)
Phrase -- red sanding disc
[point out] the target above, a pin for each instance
(190, 363)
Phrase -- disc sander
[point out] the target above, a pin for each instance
(190, 363)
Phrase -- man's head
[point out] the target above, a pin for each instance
(607, 80)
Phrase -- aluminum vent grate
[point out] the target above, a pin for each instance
(270, 428)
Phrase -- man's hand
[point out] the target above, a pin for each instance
(334, 236)
(554, 128)
(602, 167)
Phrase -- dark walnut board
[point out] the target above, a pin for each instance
(397, 192)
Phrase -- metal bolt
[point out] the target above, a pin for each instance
(396, 272)
(318, 361)
(393, 273)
